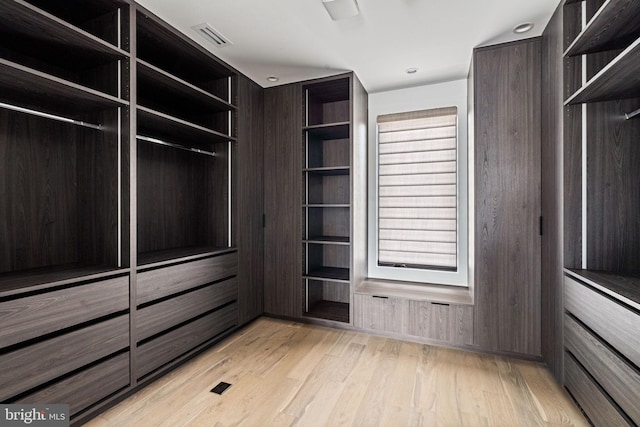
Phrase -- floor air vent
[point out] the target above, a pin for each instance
(211, 34)
(220, 388)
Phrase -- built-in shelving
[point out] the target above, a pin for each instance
(619, 79)
(153, 123)
(159, 258)
(327, 199)
(615, 25)
(623, 287)
(28, 88)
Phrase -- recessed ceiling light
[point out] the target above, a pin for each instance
(411, 70)
(341, 9)
(523, 28)
(273, 79)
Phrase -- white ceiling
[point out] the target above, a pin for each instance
(297, 40)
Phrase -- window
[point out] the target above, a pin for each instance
(420, 201)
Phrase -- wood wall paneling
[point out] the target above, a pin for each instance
(507, 155)
(283, 120)
(551, 193)
(249, 191)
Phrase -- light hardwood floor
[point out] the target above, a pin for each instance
(284, 373)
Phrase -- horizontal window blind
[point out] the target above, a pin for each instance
(417, 189)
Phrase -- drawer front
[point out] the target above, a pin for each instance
(594, 403)
(613, 322)
(441, 322)
(33, 316)
(379, 313)
(158, 317)
(36, 364)
(165, 348)
(615, 376)
(87, 387)
(154, 284)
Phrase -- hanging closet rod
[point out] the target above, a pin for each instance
(180, 147)
(49, 116)
(633, 114)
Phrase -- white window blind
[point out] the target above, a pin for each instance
(417, 189)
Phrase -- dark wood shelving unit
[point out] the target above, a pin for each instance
(328, 171)
(614, 26)
(171, 86)
(329, 273)
(51, 277)
(21, 19)
(153, 123)
(619, 79)
(28, 88)
(159, 258)
(329, 310)
(601, 289)
(334, 240)
(327, 199)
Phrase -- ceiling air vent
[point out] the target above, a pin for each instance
(211, 34)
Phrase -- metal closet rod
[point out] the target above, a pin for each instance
(50, 116)
(180, 147)
(633, 114)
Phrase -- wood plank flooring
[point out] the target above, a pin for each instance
(284, 374)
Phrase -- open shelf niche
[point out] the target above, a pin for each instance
(327, 199)
(62, 99)
(185, 146)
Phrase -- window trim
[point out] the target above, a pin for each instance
(462, 277)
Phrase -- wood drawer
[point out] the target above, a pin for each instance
(25, 318)
(613, 374)
(161, 282)
(441, 322)
(86, 387)
(163, 315)
(165, 348)
(36, 364)
(613, 322)
(379, 313)
(595, 404)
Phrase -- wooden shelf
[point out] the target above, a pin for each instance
(620, 286)
(617, 80)
(329, 171)
(154, 259)
(614, 26)
(166, 85)
(326, 205)
(331, 240)
(28, 88)
(330, 90)
(328, 131)
(329, 273)
(49, 277)
(173, 52)
(19, 18)
(155, 124)
(329, 310)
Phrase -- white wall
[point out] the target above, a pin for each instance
(411, 99)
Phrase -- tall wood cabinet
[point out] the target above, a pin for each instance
(602, 205)
(121, 147)
(315, 197)
(507, 91)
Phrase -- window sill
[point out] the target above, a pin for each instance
(420, 292)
